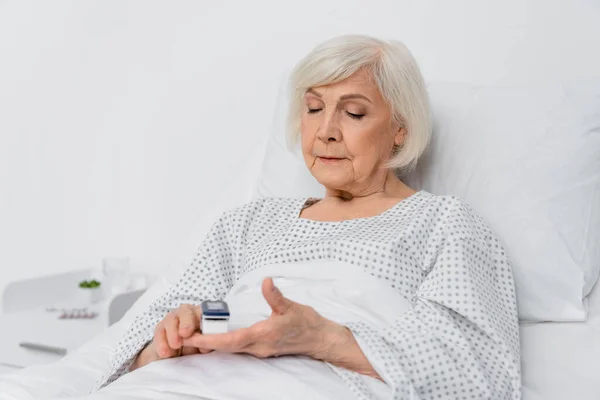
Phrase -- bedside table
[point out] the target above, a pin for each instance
(40, 326)
(35, 324)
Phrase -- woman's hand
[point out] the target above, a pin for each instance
(169, 335)
(292, 328)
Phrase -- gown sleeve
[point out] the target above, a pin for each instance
(460, 339)
(211, 274)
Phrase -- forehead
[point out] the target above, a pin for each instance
(360, 82)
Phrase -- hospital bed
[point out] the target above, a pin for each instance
(560, 360)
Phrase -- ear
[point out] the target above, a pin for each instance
(400, 136)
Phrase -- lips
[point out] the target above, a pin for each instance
(330, 160)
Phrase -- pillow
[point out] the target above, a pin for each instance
(235, 191)
(283, 172)
(527, 159)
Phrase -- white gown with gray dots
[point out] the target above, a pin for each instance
(460, 339)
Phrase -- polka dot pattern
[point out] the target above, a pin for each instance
(460, 338)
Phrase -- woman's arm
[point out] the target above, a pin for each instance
(145, 357)
(340, 348)
(210, 275)
(460, 339)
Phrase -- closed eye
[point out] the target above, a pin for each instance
(355, 116)
(314, 110)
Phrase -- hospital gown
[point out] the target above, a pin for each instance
(460, 338)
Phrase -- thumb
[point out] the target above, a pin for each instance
(278, 303)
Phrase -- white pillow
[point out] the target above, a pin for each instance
(527, 159)
(283, 172)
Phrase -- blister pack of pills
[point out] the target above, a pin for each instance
(77, 313)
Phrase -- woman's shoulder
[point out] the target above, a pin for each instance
(451, 204)
(445, 204)
(455, 216)
(267, 208)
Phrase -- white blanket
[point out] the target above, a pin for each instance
(552, 368)
(339, 292)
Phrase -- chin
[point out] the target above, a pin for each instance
(332, 181)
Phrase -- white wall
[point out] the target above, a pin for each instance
(122, 121)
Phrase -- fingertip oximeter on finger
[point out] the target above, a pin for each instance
(215, 317)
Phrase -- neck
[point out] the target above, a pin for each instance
(389, 186)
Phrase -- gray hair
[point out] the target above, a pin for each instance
(396, 74)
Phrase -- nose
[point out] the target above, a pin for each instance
(330, 130)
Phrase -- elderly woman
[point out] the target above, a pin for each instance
(333, 275)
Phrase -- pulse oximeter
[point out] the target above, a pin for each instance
(215, 317)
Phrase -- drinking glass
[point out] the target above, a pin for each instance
(116, 274)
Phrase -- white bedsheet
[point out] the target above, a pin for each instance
(560, 361)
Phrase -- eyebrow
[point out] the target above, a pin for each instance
(344, 97)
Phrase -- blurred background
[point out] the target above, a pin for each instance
(122, 122)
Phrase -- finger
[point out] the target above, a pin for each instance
(189, 322)
(231, 342)
(278, 303)
(161, 344)
(188, 351)
(172, 329)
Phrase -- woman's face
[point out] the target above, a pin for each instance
(348, 134)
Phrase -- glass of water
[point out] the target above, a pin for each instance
(116, 274)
